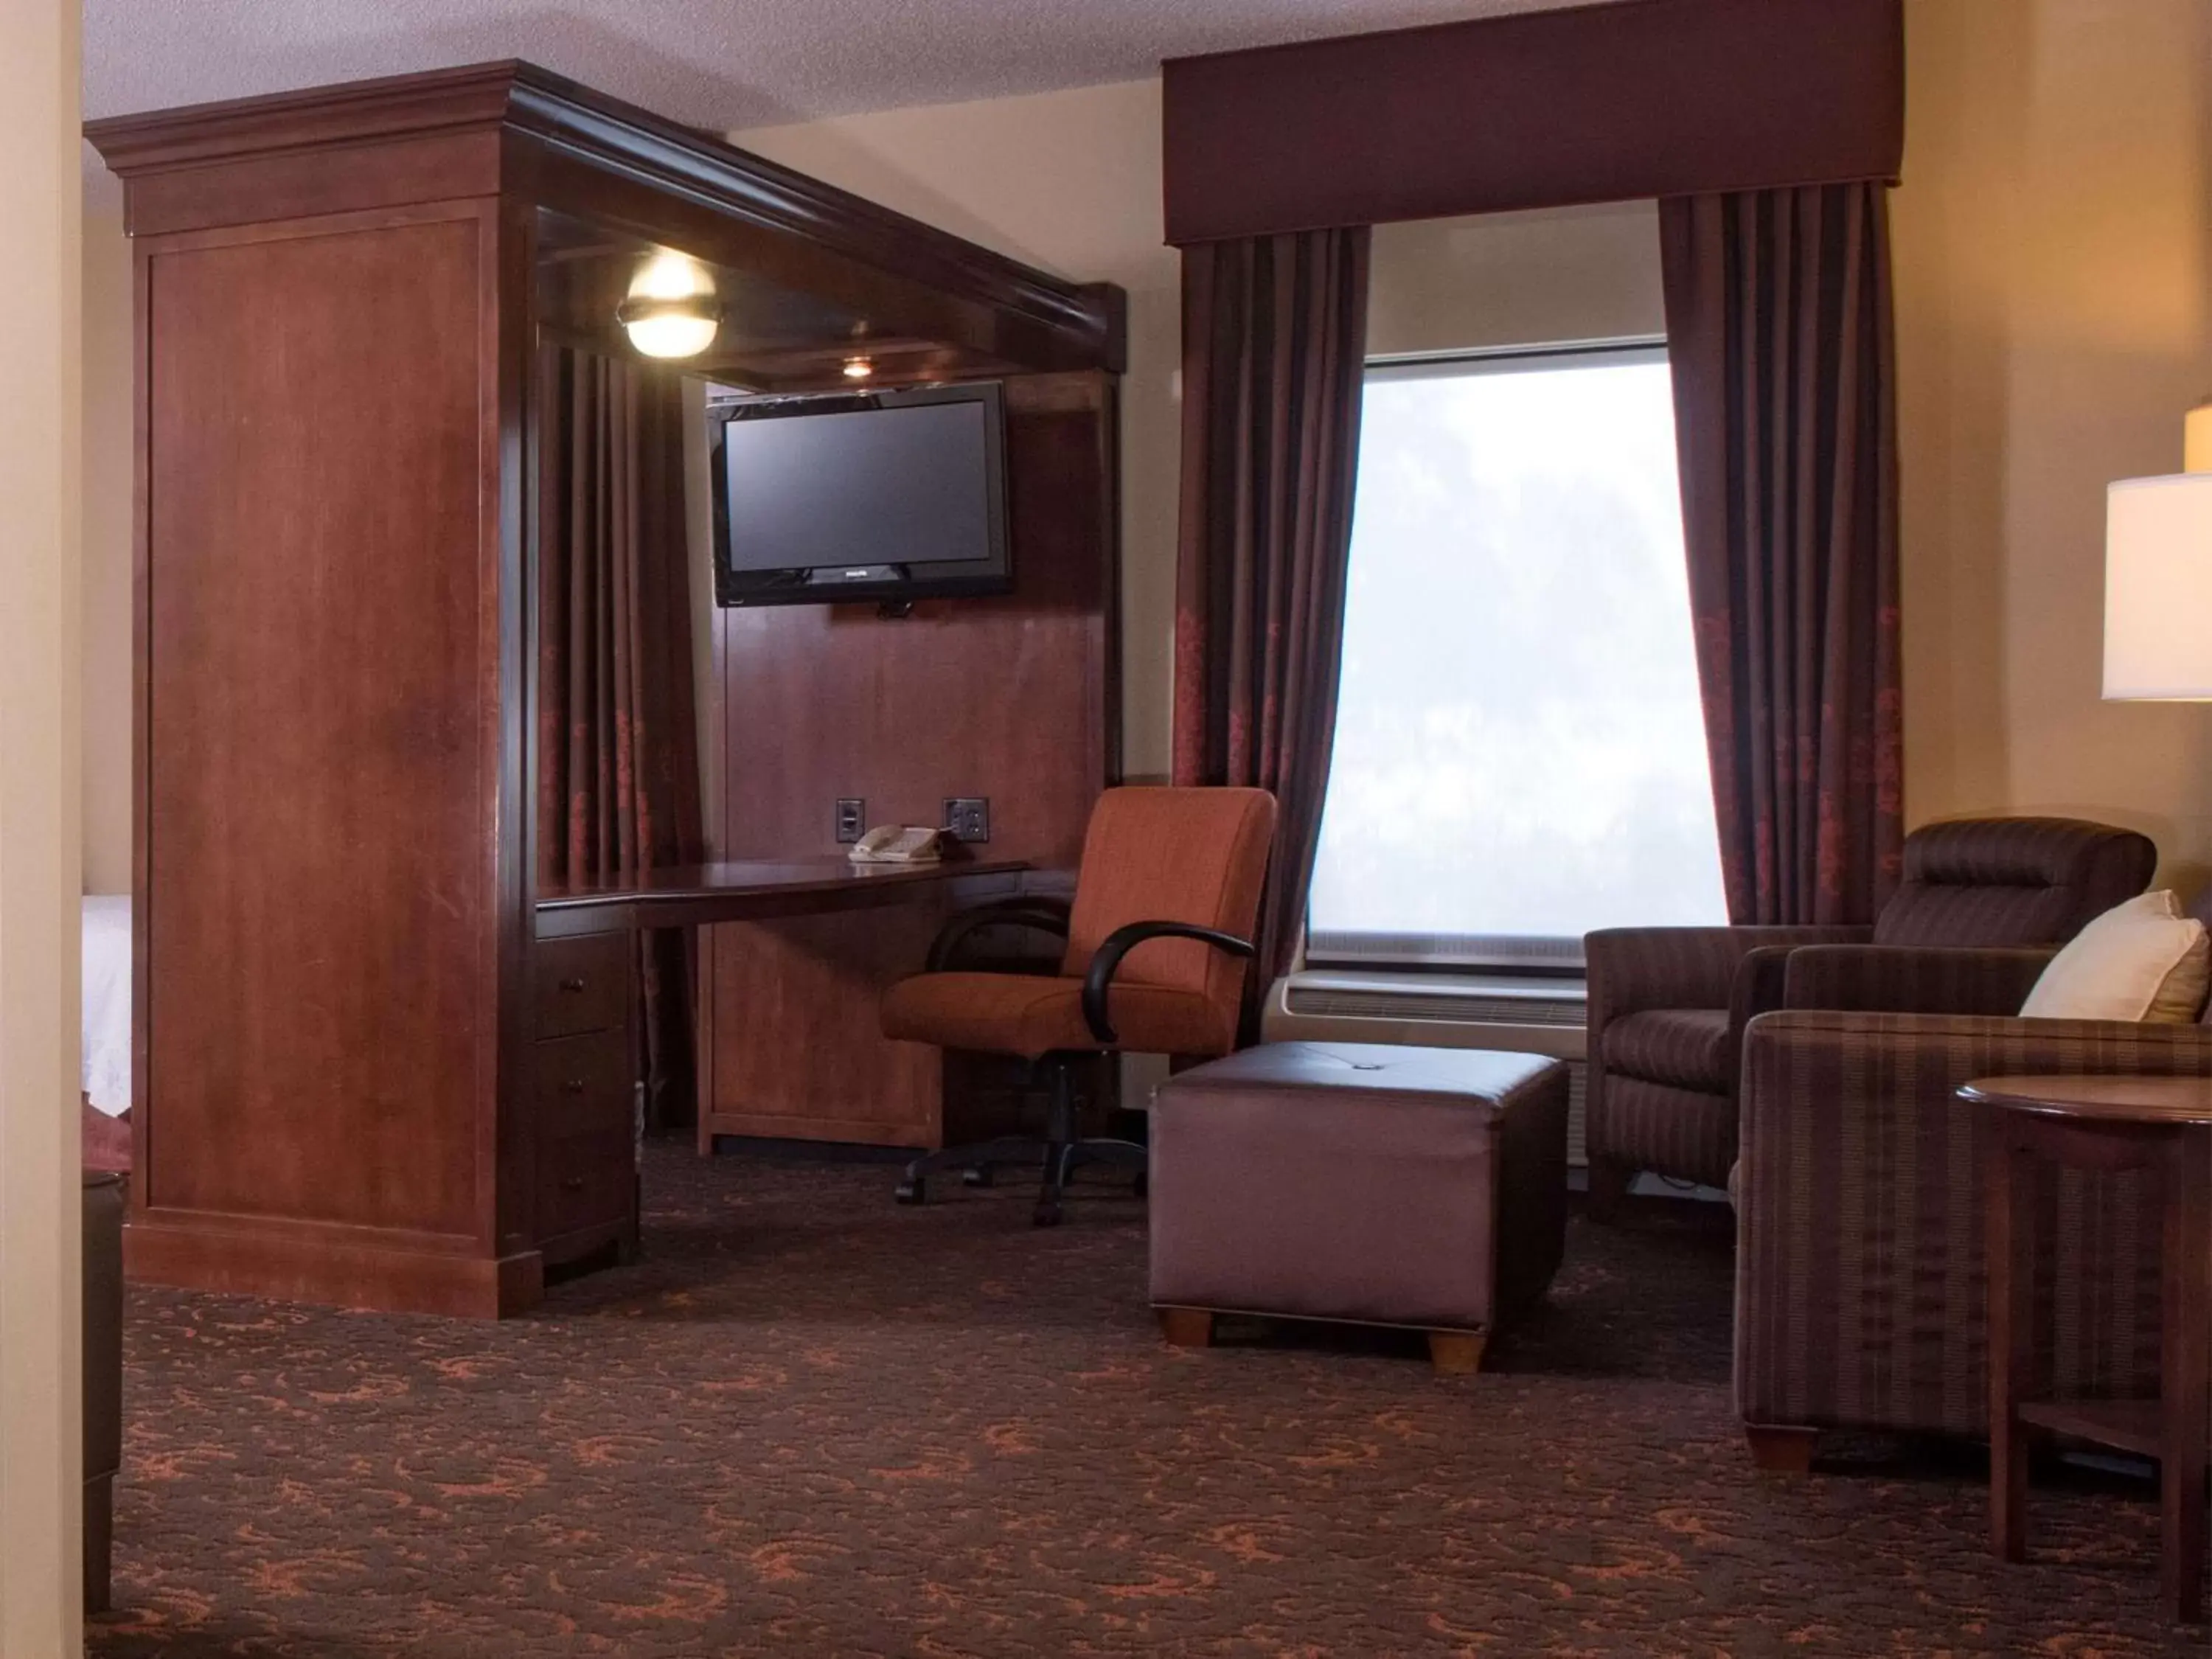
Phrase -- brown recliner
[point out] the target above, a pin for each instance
(1667, 1006)
(1158, 939)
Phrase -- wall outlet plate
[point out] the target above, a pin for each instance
(852, 819)
(967, 817)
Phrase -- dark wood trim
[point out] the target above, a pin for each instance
(346, 1273)
(1078, 324)
(699, 896)
(773, 1126)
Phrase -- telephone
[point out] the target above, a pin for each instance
(890, 843)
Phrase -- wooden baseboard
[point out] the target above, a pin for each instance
(351, 1274)
(770, 1126)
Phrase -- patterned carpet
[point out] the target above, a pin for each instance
(811, 1423)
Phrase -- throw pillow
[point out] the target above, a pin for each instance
(2142, 961)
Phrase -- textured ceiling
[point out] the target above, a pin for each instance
(722, 64)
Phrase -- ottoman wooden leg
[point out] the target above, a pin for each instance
(1779, 1449)
(1455, 1353)
(1187, 1327)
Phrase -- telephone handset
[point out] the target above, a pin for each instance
(891, 843)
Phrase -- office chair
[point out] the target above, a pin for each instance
(1157, 938)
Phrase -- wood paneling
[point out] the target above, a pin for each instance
(319, 793)
(1013, 698)
(796, 1049)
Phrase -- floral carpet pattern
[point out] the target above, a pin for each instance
(809, 1422)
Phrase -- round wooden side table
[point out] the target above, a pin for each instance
(2162, 1127)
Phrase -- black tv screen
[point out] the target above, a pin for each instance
(890, 495)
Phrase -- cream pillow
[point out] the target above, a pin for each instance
(2143, 961)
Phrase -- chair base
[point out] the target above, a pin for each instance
(1608, 1187)
(1057, 1153)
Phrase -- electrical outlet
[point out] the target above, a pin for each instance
(852, 819)
(967, 817)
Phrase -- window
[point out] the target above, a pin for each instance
(1520, 747)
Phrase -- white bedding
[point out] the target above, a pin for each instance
(106, 1056)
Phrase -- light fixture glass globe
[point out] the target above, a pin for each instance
(671, 311)
(672, 334)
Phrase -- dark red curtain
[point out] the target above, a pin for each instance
(1778, 325)
(1275, 333)
(618, 750)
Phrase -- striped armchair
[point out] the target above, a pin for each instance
(1860, 1282)
(1669, 1005)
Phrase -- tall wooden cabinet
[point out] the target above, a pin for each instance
(353, 1062)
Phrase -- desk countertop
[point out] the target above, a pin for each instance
(756, 889)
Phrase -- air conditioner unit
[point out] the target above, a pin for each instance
(1528, 1014)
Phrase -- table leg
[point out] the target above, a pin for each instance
(2008, 1199)
(2186, 1372)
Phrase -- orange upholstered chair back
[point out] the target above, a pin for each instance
(1191, 856)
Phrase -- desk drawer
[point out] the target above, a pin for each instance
(586, 1180)
(581, 984)
(582, 1085)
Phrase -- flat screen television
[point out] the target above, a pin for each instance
(890, 495)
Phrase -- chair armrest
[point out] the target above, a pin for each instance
(1859, 1268)
(1633, 968)
(1805, 1055)
(1912, 979)
(1045, 916)
(1107, 962)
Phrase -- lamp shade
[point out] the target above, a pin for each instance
(2157, 588)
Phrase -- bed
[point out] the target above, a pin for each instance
(105, 1060)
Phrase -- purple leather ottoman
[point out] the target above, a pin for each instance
(1349, 1181)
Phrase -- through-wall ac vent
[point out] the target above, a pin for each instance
(1463, 1007)
(1479, 951)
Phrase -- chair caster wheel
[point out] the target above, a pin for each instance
(1047, 1215)
(1141, 1185)
(980, 1175)
(909, 1191)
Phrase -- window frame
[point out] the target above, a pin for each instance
(1534, 956)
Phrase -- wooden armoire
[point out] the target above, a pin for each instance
(341, 993)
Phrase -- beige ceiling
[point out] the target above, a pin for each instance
(722, 64)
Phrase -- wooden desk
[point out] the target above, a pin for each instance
(764, 890)
(2161, 1126)
(791, 958)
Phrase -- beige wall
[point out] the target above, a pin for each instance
(107, 477)
(2053, 241)
(1069, 181)
(40, 1411)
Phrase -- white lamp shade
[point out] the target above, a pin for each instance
(2157, 588)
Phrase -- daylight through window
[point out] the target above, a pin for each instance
(1520, 750)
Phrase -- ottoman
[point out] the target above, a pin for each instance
(1349, 1181)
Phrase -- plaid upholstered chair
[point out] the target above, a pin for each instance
(1862, 1287)
(1667, 1006)
(1162, 926)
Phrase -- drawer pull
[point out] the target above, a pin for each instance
(572, 1184)
(574, 1086)
(572, 985)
